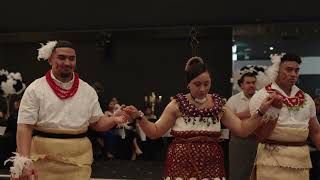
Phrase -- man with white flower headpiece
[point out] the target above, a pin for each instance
(57, 109)
(282, 153)
(242, 149)
(247, 80)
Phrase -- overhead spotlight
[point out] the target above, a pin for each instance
(271, 48)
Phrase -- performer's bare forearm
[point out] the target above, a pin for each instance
(241, 128)
(24, 137)
(249, 125)
(316, 140)
(150, 129)
(243, 115)
(103, 124)
(314, 132)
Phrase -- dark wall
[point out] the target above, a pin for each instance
(133, 65)
(308, 85)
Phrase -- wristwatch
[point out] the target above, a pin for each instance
(139, 118)
(259, 113)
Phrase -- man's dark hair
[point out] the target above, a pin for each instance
(64, 44)
(291, 57)
(249, 74)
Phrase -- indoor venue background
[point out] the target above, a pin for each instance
(137, 48)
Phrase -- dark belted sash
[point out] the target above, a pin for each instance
(59, 136)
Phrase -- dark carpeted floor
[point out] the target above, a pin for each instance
(121, 169)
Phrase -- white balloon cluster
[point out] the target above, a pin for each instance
(10, 83)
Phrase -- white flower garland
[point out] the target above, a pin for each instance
(19, 163)
(46, 50)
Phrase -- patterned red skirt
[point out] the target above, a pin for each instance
(195, 154)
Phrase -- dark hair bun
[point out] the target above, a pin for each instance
(192, 62)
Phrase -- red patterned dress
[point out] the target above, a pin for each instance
(195, 153)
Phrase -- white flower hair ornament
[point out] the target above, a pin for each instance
(272, 71)
(46, 50)
(257, 70)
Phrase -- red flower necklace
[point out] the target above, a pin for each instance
(60, 92)
(293, 103)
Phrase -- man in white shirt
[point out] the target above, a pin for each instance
(242, 149)
(58, 108)
(283, 153)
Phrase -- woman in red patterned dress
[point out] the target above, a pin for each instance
(194, 120)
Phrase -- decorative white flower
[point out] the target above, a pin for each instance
(16, 76)
(46, 50)
(7, 87)
(259, 71)
(272, 71)
(4, 72)
(264, 74)
(10, 83)
(19, 163)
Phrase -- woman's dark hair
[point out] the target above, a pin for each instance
(291, 57)
(194, 67)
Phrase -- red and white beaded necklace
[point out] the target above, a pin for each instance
(60, 92)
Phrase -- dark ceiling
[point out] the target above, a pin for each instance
(257, 25)
(68, 15)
